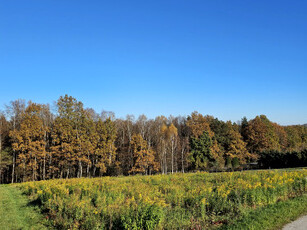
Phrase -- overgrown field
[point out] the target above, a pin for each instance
(179, 201)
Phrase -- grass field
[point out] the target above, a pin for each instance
(16, 212)
(179, 201)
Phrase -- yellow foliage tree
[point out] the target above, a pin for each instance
(144, 157)
(29, 142)
(236, 147)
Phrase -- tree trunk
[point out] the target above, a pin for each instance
(34, 170)
(44, 167)
(165, 162)
(80, 169)
(67, 175)
(182, 164)
(50, 173)
(13, 169)
(172, 156)
(88, 170)
(24, 171)
(94, 170)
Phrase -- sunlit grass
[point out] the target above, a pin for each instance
(16, 212)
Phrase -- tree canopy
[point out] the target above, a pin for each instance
(74, 141)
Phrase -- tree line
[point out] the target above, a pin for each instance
(74, 141)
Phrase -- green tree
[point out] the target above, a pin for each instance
(244, 129)
(201, 154)
(296, 137)
(198, 124)
(5, 157)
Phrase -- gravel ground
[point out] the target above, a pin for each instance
(299, 224)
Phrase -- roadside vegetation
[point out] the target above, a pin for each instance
(271, 217)
(180, 201)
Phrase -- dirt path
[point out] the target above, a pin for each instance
(299, 224)
(15, 212)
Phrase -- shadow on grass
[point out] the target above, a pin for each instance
(35, 203)
(38, 206)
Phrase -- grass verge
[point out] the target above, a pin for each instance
(16, 212)
(272, 216)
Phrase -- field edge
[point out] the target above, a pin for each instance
(273, 216)
(17, 211)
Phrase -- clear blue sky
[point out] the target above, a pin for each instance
(228, 59)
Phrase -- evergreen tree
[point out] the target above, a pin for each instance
(201, 154)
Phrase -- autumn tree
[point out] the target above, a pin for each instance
(281, 135)
(163, 144)
(160, 141)
(29, 143)
(182, 142)
(14, 111)
(296, 137)
(141, 125)
(76, 141)
(169, 141)
(144, 158)
(105, 150)
(86, 141)
(125, 130)
(235, 148)
(198, 124)
(173, 134)
(261, 135)
(66, 136)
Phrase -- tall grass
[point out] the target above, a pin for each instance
(179, 201)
